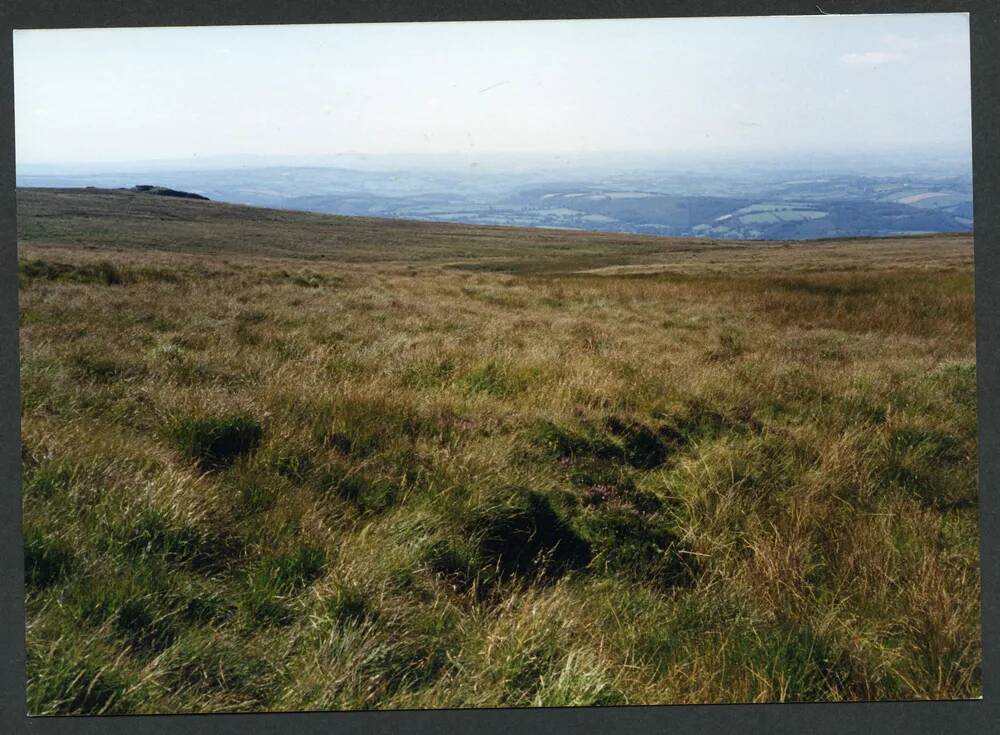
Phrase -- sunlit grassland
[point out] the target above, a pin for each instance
(257, 481)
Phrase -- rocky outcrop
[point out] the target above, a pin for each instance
(165, 192)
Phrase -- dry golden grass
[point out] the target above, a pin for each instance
(726, 473)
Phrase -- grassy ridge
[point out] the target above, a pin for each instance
(263, 482)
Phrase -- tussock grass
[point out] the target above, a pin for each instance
(46, 559)
(523, 535)
(431, 471)
(214, 443)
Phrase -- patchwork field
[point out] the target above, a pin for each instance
(284, 461)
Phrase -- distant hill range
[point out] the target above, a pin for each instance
(743, 204)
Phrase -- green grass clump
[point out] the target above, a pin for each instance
(565, 443)
(403, 662)
(151, 533)
(934, 445)
(100, 368)
(78, 678)
(620, 440)
(202, 662)
(523, 535)
(522, 671)
(349, 604)
(274, 579)
(138, 622)
(297, 569)
(577, 683)
(251, 493)
(366, 428)
(47, 482)
(294, 464)
(960, 381)
(367, 494)
(702, 420)
(145, 607)
(216, 442)
(798, 665)
(490, 379)
(46, 559)
(915, 462)
(629, 543)
(104, 272)
(641, 446)
(455, 565)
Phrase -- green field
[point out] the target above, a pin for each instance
(283, 461)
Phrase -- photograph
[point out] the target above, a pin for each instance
(497, 364)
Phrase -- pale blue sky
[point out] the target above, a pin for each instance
(716, 86)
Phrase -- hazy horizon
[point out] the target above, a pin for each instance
(755, 89)
(777, 156)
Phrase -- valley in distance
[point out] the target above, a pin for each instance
(279, 460)
(778, 198)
